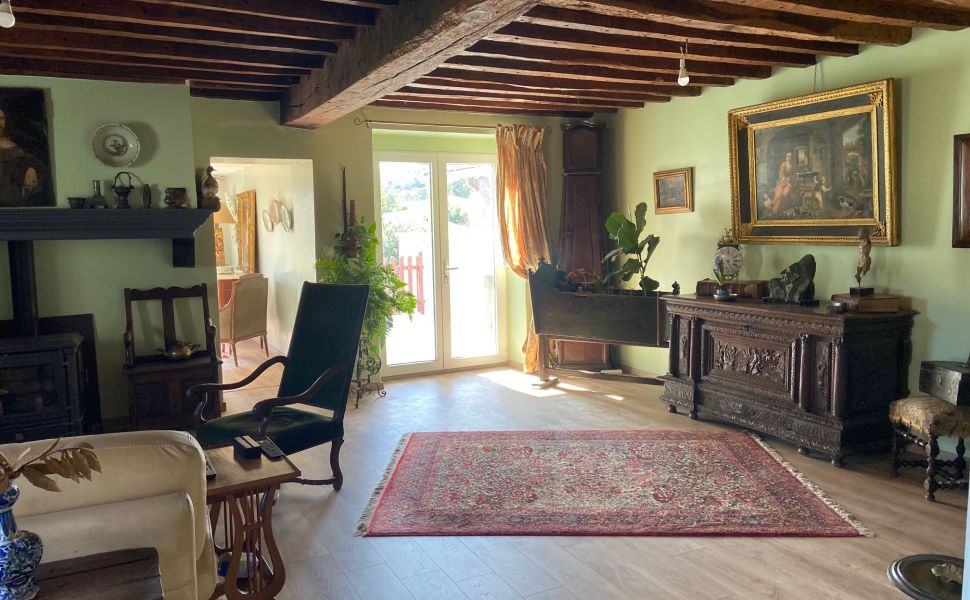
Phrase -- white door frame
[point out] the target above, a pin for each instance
(439, 207)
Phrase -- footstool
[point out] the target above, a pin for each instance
(929, 417)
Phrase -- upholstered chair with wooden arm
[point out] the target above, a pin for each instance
(151, 493)
(244, 316)
(308, 409)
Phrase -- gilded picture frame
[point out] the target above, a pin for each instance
(961, 191)
(815, 169)
(673, 191)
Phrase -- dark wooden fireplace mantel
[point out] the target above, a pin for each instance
(178, 225)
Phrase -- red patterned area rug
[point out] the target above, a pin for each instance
(647, 482)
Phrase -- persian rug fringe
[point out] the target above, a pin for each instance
(819, 492)
(365, 518)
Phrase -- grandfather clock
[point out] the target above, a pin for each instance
(581, 227)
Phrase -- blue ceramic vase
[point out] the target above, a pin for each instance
(20, 553)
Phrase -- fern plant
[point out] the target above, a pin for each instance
(387, 294)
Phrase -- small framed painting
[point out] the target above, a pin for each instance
(25, 163)
(961, 191)
(673, 191)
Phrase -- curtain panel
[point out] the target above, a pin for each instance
(522, 210)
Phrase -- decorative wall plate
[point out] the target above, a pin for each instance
(267, 218)
(275, 208)
(115, 145)
(286, 219)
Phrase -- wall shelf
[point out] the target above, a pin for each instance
(178, 225)
(100, 224)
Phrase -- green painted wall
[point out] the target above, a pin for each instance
(89, 276)
(433, 141)
(933, 73)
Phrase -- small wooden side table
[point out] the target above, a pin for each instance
(120, 575)
(240, 499)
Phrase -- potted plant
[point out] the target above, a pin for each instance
(632, 244)
(357, 263)
(20, 550)
(582, 305)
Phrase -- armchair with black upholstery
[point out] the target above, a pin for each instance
(317, 374)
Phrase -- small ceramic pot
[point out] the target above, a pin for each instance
(76, 202)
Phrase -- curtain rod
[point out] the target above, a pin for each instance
(371, 122)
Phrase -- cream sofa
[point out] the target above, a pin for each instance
(151, 493)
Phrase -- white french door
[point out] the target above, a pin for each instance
(439, 228)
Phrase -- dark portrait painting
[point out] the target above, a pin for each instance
(25, 164)
(818, 169)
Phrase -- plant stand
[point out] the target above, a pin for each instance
(368, 366)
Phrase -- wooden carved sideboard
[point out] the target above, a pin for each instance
(822, 381)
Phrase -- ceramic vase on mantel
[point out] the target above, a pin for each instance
(20, 553)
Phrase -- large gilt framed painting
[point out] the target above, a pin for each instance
(25, 164)
(817, 168)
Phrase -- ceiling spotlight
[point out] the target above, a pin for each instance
(683, 78)
(7, 19)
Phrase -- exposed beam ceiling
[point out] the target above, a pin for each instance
(323, 59)
(407, 43)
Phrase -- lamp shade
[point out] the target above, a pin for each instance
(223, 216)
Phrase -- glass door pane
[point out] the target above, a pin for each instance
(407, 238)
(470, 274)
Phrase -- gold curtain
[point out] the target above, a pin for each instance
(522, 211)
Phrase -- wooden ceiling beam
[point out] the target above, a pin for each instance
(438, 83)
(615, 60)
(13, 64)
(718, 16)
(132, 11)
(405, 44)
(528, 67)
(504, 103)
(566, 112)
(557, 37)
(142, 32)
(235, 94)
(415, 92)
(61, 55)
(590, 21)
(903, 13)
(22, 38)
(312, 11)
(563, 83)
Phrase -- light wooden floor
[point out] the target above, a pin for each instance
(315, 526)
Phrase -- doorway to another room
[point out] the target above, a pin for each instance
(265, 250)
(439, 230)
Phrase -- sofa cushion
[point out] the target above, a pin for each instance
(165, 523)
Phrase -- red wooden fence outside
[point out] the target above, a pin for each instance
(410, 270)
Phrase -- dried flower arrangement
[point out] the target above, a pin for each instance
(72, 462)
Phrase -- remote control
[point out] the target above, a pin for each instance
(210, 471)
(271, 450)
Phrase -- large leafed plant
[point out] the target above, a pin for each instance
(632, 244)
(361, 266)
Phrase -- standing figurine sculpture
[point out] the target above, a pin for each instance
(864, 264)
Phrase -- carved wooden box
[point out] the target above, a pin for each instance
(823, 381)
(948, 381)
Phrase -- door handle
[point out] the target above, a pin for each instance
(451, 268)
